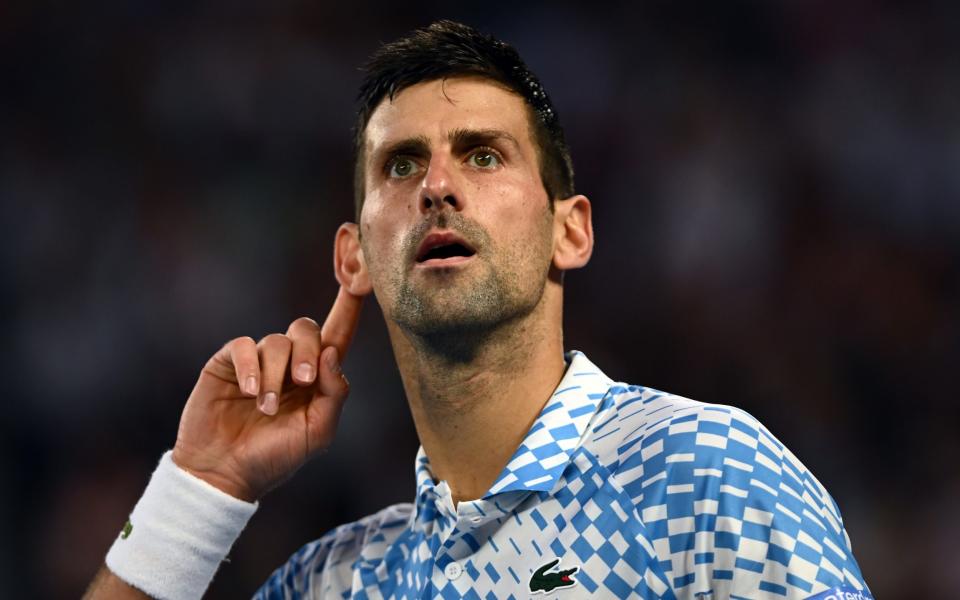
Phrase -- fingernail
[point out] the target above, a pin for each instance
(270, 404)
(304, 372)
(251, 385)
(332, 361)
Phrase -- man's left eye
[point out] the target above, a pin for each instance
(483, 159)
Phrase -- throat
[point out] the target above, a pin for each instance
(472, 410)
(474, 392)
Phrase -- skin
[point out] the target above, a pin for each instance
(473, 405)
(478, 341)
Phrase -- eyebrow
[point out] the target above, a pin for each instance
(415, 146)
(459, 138)
(478, 137)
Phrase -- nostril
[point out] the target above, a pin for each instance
(449, 199)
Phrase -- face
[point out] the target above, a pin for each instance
(456, 228)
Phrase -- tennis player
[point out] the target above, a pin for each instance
(537, 474)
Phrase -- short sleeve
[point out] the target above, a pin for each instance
(731, 511)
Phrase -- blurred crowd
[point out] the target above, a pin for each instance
(776, 189)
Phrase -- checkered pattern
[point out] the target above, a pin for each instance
(650, 495)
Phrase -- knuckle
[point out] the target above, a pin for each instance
(305, 323)
(275, 340)
(243, 340)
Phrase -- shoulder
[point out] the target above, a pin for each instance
(652, 439)
(712, 485)
(324, 566)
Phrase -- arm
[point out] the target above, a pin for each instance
(108, 585)
(259, 410)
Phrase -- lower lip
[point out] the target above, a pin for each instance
(439, 263)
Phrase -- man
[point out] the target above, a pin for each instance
(537, 473)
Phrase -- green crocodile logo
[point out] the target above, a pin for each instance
(127, 528)
(541, 581)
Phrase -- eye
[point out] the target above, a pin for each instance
(401, 167)
(483, 159)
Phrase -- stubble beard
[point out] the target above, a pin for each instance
(461, 312)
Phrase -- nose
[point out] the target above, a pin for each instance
(439, 189)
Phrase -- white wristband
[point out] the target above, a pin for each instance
(178, 534)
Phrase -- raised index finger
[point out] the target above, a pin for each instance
(341, 323)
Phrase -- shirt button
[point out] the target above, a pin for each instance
(453, 570)
(476, 519)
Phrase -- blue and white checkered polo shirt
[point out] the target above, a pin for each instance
(617, 491)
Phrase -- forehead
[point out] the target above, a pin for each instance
(432, 109)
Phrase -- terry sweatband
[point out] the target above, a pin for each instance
(178, 534)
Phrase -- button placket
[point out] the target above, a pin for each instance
(453, 570)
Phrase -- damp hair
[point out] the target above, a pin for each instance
(447, 49)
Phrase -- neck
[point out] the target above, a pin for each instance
(474, 399)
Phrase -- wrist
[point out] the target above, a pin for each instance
(214, 475)
(178, 534)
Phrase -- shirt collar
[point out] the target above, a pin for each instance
(555, 435)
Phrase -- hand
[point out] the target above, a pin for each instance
(260, 409)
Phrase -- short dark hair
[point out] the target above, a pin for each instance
(449, 49)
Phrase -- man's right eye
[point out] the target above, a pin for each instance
(401, 167)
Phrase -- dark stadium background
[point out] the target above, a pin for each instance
(776, 190)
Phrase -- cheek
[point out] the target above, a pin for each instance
(382, 227)
(396, 196)
(375, 242)
(519, 213)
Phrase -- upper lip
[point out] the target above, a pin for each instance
(438, 239)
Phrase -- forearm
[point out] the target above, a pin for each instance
(175, 540)
(107, 586)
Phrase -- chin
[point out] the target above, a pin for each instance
(449, 321)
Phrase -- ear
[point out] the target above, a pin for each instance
(349, 265)
(573, 232)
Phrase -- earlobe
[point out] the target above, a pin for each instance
(349, 265)
(574, 233)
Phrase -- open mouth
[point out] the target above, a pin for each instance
(443, 249)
